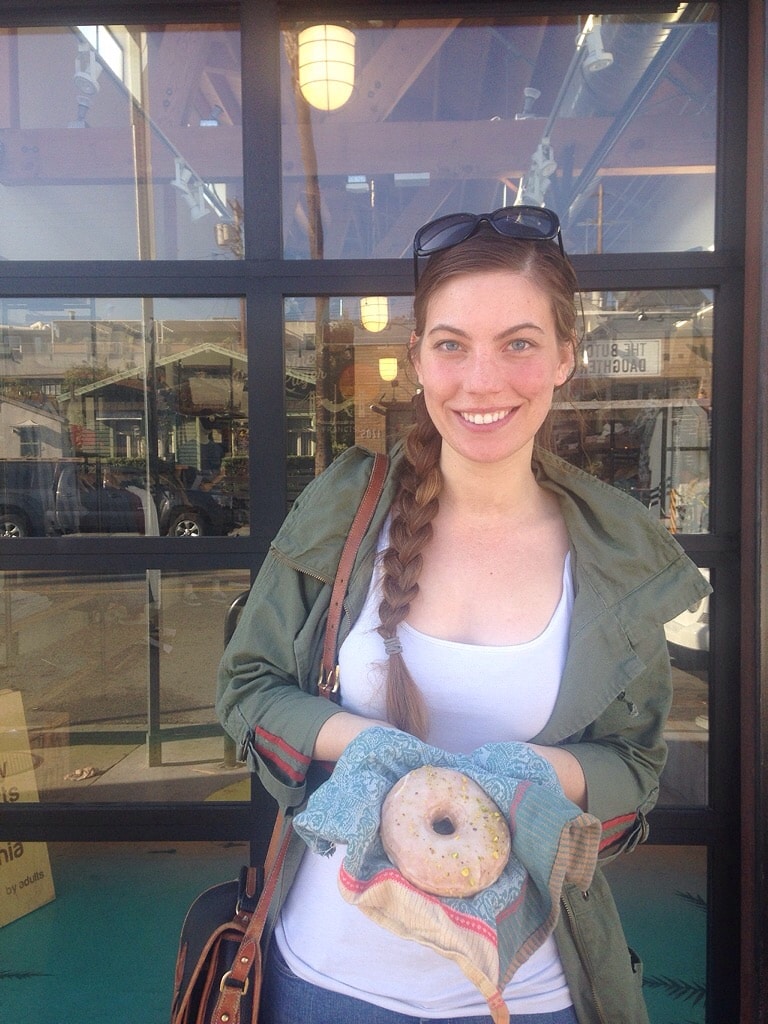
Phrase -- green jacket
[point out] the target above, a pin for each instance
(630, 577)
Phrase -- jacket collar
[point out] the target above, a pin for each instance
(634, 568)
(630, 577)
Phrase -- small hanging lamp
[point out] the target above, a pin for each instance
(326, 65)
(374, 313)
(388, 369)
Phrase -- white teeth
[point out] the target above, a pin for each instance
(484, 417)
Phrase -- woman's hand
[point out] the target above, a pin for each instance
(338, 732)
(569, 772)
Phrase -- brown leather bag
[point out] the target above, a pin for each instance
(218, 964)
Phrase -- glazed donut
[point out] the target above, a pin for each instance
(443, 832)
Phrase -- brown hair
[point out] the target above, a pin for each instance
(419, 479)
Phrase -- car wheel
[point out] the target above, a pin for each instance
(188, 524)
(12, 526)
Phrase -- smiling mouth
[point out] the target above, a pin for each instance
(483, 418)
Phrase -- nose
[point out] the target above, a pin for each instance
(483, 374)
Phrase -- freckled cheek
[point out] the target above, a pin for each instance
(531, 380)
(440, 384)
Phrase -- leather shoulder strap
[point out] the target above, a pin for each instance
(328, 684)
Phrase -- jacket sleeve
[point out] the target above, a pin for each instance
(623, 752)
(266, 694)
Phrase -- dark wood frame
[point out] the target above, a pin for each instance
(738, 888)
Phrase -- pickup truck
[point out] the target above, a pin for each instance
(53, 497)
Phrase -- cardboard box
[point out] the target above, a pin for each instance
(26, 882)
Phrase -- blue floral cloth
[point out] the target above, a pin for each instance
(492, 933)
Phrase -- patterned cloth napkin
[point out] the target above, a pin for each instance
(488, 935)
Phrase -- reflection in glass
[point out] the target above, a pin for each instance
(346, 383)
(610, 120)
(661, 893)
(123, 416)
(637, 414)
(117, 677)
(128, 147)
(685, 782)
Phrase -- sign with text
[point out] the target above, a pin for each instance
(623, 358)
(25, 870)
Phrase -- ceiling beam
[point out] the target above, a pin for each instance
(461, 150)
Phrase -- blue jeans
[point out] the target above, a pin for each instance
(286, 999)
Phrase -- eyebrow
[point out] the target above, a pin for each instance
(527, 325)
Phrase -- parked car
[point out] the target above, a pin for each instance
(46, 497)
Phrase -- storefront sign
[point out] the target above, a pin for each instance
(25, 870)
(623, 358)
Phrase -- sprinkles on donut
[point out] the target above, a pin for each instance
(443, 832)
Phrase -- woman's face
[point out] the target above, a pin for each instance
(488, 362)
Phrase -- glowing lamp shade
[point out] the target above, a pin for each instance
(326, 65)
(388, 369)
(374, 313)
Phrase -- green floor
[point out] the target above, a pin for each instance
(104, 950)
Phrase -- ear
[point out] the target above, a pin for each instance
(567, 365)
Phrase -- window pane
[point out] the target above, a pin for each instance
(129, 146)
(637, 415)
(122, 416)
(342, 386)
(661, 893)
(609, 120)
(117, 679)
(685, 781)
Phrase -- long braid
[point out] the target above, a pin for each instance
(414, 508)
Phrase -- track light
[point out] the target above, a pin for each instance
(191, 188)
(543, 159)
(533, 185)
(195, 200)
(83, 105)
(183, 174)
(87, 69)
(530, 95)
(596, 58)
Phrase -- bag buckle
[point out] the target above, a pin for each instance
(328, 683)
(242, 985)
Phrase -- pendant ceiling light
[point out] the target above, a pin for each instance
(326, 65)
(374, 313)
(388, 369)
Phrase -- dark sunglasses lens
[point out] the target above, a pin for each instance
(525, 222)
(443, 233)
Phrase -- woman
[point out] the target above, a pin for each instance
(519, 599)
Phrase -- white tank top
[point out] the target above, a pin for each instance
(475, 695)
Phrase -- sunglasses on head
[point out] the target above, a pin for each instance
(530, 223)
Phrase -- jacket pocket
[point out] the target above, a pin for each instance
(605, 976)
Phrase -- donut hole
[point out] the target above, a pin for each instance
(443, 826)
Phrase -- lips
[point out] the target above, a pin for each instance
(484, 418)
